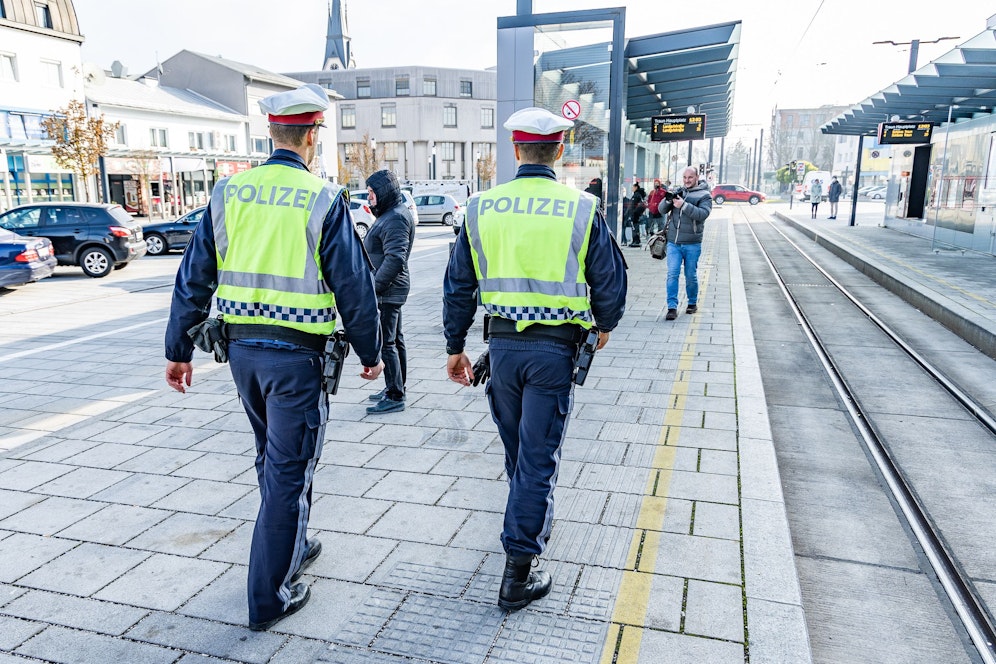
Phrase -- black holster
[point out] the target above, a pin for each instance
(585, 354)
(336, 350)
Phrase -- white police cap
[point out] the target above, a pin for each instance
(537, 125)
(304, 106)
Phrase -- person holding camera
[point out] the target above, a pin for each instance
(689, 207)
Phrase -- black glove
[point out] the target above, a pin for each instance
(481, 369)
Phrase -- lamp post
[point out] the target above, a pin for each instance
(433, 162)
(373, 151)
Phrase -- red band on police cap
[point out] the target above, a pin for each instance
(298, 119)
(527, 137)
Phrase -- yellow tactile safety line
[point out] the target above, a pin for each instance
(622, 643)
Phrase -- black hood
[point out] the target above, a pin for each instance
(386, 187)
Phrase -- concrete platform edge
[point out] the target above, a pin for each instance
(949, 314)
(764, 591)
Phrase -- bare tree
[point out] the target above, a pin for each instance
(366, 159)
(486, 167)
(80, 141)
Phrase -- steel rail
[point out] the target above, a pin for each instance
(964, 600)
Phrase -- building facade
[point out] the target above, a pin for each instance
(795, 136)
(424, 123)
(40, 71)
(170, 145)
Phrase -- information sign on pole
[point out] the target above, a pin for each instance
(893, 133)
(678, 127)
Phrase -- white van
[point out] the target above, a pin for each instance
(802, 191)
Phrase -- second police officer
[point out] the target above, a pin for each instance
(278, 245)
(547, 269)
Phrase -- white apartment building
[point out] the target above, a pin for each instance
(40, 71)
(170, 145)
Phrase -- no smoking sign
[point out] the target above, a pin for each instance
(571, 109)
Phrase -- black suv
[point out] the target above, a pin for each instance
(98, 237)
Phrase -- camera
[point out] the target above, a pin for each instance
(669, 195)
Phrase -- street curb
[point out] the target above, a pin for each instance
(776, 621)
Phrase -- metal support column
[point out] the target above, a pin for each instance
(857, 178)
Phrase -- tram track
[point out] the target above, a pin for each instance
(947, 553)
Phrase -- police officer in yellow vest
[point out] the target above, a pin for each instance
(277, 247)
(547, 269)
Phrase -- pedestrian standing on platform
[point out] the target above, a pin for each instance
(389, 244)
(833, 195)
(638, 205)
(277, 247)
(547, 269)
(690, 207)
(656, 221)
(815, 196)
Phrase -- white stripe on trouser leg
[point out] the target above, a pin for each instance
(304, 509)
(548, 516)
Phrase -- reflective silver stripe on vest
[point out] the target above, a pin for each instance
(473, 234)
(218, 217)
(312, 282)
(569, 287)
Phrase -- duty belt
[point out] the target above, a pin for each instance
(315, 342)
(567, 333)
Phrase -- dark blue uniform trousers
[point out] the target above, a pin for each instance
(281, 390)
(531, 394)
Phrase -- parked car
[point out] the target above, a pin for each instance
(24, 259)
(876, 193)
(363, 218)
(361, 194)
(440, 208)
(166, 236)
(735, 194)
(99, 237)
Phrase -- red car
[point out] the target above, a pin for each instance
(735, 193)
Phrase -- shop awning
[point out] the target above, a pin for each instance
(962, 81)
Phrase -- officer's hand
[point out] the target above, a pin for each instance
(603, 338)
(178, 374)
(458, 369)
(678, 201)
(372, 373)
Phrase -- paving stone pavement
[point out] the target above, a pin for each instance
(126, 509)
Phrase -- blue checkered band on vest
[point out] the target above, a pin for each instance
(274, 312)
(536, 313)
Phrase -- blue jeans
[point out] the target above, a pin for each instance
(676, 253)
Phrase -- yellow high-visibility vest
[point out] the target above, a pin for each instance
(267, 229)
(528, 239)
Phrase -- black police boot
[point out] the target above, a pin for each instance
(520, 585)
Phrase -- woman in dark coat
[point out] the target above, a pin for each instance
(389, 244)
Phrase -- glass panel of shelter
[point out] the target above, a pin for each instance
(572, 70)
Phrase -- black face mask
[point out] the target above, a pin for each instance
(657, 186)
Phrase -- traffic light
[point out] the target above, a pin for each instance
(701, 169)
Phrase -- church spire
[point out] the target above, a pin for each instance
(338, 52)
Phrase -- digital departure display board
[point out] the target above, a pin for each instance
(904, 132)
(677, 127)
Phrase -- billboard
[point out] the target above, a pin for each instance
(686, 127)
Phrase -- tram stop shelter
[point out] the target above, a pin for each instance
(943, 187)
(580, 65)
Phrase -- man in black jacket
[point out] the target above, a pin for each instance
(389, 244)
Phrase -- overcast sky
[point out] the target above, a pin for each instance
(799, 53)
